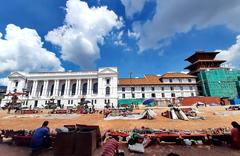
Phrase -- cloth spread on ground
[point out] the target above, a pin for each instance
(148, 113)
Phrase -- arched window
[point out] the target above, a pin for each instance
(107, 90)
(51, 92)
(74, 89)
(41, 90)
(62, 89)
(95, 88)
(84, 91)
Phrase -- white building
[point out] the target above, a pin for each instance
(167, 87)
(99, 87)
(66, 88)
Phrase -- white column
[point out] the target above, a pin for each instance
(34, 89)
(67, 87)
(79, 87)
(56, 86)
(88, 86)
(45, 88)
(78, 84)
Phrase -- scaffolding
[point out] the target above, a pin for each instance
(220, 83)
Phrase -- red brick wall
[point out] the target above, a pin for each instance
(188, 101)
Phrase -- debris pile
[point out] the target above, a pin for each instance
(176, 113)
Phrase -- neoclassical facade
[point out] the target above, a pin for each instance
(66, 88)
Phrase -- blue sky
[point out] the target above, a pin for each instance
(138, 36)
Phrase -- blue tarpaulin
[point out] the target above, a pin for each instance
(235, 102)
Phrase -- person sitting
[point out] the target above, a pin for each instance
(41, 138)
(235, 135)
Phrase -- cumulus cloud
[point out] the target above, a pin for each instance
(84, 28)
(4, 81)
(176, 16)
(133, 6)
(21, 49)
(231, 55)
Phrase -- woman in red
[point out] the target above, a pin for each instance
(235, 135)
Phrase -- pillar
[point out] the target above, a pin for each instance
(34, 89)
(56, 86)
(67, 87)
(45, 88)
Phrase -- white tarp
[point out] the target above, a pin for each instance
(148, 113)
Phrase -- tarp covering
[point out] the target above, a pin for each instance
(130, 101)
(235, 102)
(147, 114)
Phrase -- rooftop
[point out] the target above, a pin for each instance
(152, 79)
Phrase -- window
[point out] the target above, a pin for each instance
(68, 101)
(16, 83)
(143, 95)
(71, 101)
(62, 89)
(132, 89)
(123, 89)
(108, 81)
(170, 80)
(95, 101)
(84, 91)
(192, 94)
(74, 89)
(52, 88)
(163, 95)
(181, 88)
(153, 95)
(190, 87)
(171, 88)
(123, 96)
(152, 88)
(133, 95)
(143, 89)
(180, 80)
(162, 88)
(95, 88)
(189, 80)
(41, 90)
(173, 94)
(107, 90)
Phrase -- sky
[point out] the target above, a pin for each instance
(137, 36)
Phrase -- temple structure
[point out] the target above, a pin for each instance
(201, 60)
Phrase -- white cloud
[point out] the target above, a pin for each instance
(119, 41)
(21, 49)
(133, 6)
(83, 30)
(133, 34)
(4, 81)
(231, 55)
(175, 16)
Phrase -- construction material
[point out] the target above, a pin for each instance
(173, 115)
(182, 114)
(147, 114)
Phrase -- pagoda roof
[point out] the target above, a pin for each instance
(200, 61)
(195, 56)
